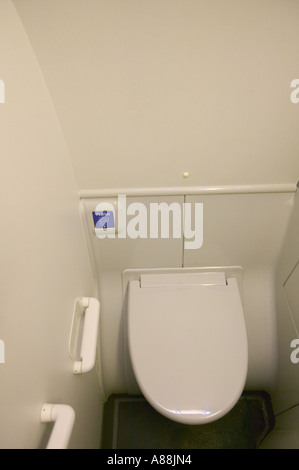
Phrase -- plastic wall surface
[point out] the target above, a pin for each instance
(287, 305)
(248, 230)
(285, 395)
(44, 262)
(149, 90)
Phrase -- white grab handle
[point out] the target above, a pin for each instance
(64, 417)
(86, 314)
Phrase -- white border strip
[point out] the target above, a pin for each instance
(188, 191)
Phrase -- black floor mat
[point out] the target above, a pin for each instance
(131, 423)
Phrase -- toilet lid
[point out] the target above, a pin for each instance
(188, 346)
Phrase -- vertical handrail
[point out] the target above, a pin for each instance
(87, 310)
(64, 418)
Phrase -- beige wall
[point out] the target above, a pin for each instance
(285, 396)
(287, 300)
(146, 90)
(44, 264)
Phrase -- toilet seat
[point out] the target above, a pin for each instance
(187, 341)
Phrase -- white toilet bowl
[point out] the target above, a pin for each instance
(187, 342)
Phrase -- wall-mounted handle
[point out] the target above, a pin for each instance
(63, 417)
(84, 330)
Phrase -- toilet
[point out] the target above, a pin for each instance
(187, 343)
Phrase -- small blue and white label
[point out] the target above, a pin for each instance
(103, 219)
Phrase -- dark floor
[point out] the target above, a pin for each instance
(131, 423)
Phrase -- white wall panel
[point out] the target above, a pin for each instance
(148, 90)
(110, 256)
(286, 392)
(44, 262)
(247, 230)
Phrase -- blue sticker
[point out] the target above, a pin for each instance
(103, 219)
